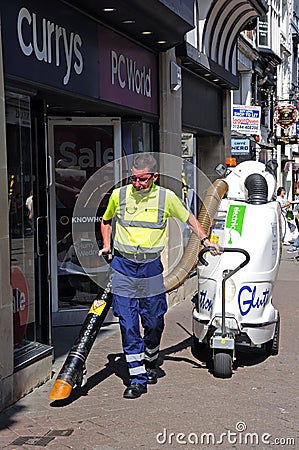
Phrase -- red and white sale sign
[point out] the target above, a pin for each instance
(20, 304)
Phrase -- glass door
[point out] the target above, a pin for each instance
(83, 153)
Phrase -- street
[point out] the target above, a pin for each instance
(187, 408)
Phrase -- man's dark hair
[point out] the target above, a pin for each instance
(145, 161)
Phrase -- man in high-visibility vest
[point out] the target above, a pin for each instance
(141, 210)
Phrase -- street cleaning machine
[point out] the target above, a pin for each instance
(233, 306)
(234, 301)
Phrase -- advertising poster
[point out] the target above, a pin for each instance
(246, 119)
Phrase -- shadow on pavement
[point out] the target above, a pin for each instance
(116, 365)
(245, 357)
(165, 354)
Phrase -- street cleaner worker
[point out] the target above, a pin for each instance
(141, 210)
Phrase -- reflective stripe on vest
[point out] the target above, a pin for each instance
(136, 249)
(159, 224)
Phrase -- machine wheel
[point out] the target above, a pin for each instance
(223, 367)
(272, 347)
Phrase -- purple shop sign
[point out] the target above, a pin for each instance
(128, 73)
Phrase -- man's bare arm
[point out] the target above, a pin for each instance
(106, 230)
(197, 228)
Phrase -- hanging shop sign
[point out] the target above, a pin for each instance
(285, 116)
(246, 119)
(287, 140)
(187, 145)
(240, 146)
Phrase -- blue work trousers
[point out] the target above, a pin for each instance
(138, 293)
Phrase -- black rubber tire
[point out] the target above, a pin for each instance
(223, 365)
(272, 347)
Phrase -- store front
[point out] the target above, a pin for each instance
(204, 127)
(78, 96)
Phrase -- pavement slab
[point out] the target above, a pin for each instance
(187, 408)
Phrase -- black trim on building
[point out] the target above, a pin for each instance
(200, 64)
(225, 19)
(202, 105)
(33, 352)
(269, 55)
(168, 21)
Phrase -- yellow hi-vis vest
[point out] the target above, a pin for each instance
(140, 222)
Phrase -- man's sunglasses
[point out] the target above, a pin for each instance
(141, 179)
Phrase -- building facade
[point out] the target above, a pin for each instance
(268, 70)
(87, 87)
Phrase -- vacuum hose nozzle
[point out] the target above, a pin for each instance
(257, 188)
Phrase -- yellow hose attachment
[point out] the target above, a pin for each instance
(189, 260)
(60, 390)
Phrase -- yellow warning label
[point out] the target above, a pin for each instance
(214, 239)
(97, 307)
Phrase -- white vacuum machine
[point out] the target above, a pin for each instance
(234, 302)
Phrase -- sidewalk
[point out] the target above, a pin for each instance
(186, 398)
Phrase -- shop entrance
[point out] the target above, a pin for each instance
(80, 150)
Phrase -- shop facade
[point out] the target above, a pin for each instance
(210, 72)
(83, 92)
(78, 95)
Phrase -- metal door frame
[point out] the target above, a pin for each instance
(74, 316)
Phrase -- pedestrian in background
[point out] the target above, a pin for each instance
(285, 204)
(141, 210)
(296, 206)
(29, 215)
(295, 246)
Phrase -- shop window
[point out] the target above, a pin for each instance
(263, 32)
(137, 137)
(20, 177)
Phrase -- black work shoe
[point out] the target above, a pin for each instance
(134, 391)
(152, 376)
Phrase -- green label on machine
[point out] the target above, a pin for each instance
(234, 220)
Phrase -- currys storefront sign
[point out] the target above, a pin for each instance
(128, 73)
(51, 43)
(56, 46)
(46, 45)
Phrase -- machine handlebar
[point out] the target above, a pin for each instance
(225, 250)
